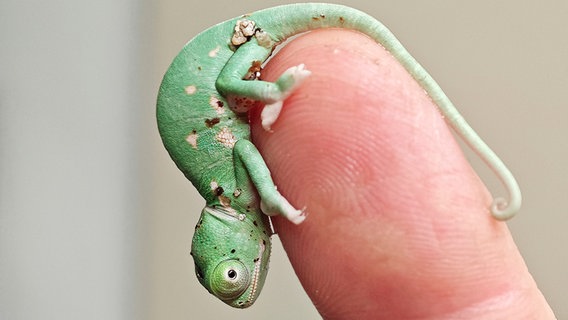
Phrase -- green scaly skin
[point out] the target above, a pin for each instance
(202, 118)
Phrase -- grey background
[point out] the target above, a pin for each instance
(96, 221)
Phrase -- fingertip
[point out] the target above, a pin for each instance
(393, 208)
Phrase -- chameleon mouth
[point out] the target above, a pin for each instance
(256, 273)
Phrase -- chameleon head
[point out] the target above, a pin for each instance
(231, 255)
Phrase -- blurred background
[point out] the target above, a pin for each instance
(96, 221)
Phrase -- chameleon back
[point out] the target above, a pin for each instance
(195, 122)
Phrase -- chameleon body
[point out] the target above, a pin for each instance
(202, 118)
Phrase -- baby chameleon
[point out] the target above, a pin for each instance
(202, 118)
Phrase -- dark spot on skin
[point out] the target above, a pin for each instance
(255, 223)
(264, 242)
(209, 123)
(253, 72)
(199, 68)
(240, 303)
(233, 251)
(321, 16)
(341, 20)
(215, 247)
(255, 260)
(255, 65)
(219, 191)
(220, 103)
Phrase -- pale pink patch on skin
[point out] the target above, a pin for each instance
(226, 138)
(213, 53)
(192, 139)
(190, 89)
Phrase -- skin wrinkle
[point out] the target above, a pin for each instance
(416, 240)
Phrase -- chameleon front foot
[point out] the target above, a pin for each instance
(288, 82)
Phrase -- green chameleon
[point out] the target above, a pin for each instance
(202, 118)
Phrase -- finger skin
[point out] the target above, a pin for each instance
(397, 223)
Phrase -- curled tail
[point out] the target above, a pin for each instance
(309, 16)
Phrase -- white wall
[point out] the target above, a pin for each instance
(69, 104)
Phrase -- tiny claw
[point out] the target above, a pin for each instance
(297, 219)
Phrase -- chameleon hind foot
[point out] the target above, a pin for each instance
(291, 79)
(281, 206)
(250, 167)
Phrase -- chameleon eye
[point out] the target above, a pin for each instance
(229, 279)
